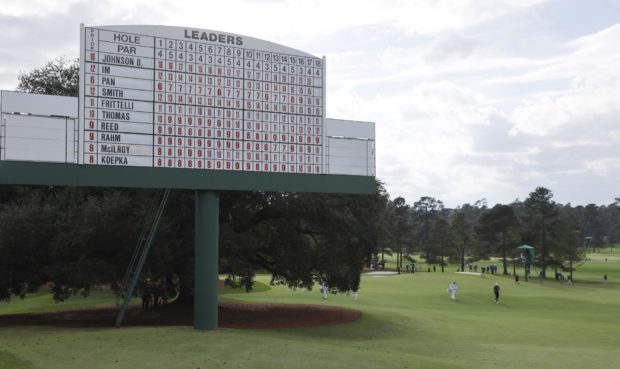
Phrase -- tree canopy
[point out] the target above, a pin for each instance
(57, 77)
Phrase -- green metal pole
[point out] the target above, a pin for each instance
(206, 260)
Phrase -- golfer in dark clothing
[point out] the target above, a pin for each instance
(496, 292)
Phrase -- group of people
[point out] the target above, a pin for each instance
(452, 288)
(491, 269)
(471, 267)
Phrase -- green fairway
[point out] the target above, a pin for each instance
(408, 322)
(43, 301)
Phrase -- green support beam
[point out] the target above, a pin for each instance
(206, 260)
(51, 174)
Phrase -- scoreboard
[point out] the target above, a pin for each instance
(175, 97)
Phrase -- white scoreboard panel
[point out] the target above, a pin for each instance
(176, 97)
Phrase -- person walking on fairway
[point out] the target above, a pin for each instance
(324, 288)
(452, 289)
(496, 292)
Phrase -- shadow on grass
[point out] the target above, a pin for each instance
(371, 326)
(9, 360)
(235, 315)
(578, 283)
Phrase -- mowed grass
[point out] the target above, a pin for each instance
(408, 322)
(43, 301)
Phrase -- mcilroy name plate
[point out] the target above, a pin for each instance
(175, 97)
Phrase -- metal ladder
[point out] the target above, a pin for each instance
(128, 285)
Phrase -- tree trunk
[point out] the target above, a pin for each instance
(442, 263)
(463, 258)
(543, 251)
(504, 261)
(398, 256)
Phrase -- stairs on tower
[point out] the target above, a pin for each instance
(147, 235)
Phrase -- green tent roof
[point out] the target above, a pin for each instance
(525, 247)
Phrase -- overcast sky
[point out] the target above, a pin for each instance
(471, 98)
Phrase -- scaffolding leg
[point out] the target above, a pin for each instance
(206, 260)
(128, 285)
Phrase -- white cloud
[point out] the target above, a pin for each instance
(592, 74)
(547, 115)
(421, 134)
(435, 128)
(602, 167)
(433, 16)
(33, 8)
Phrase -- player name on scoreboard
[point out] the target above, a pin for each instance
(182, 98)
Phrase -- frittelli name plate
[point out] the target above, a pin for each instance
(174, 97)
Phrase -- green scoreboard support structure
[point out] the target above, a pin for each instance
(527, 258)
(183, 108)
(205, 260)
